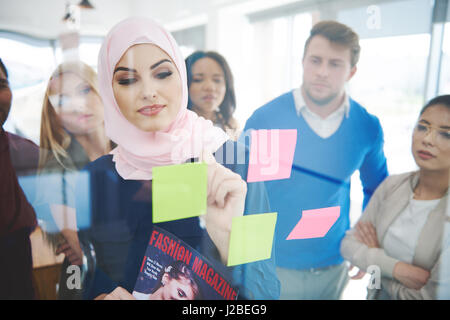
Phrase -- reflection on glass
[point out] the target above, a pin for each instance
(275, 52)
(392, 90)
(444, 83)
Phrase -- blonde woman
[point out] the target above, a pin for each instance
(72, 135)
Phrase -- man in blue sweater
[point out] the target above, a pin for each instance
(336, 137)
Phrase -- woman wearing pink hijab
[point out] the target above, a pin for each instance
(143, 85)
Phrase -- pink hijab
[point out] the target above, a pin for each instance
(139, 151)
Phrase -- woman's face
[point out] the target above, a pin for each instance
(431, 139)
(177, 289)
(208, 88)
(147, 87)
(78, 106)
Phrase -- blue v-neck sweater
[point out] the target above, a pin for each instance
(320, 177)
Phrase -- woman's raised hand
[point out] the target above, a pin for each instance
(226, 199)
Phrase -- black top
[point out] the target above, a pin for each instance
(115, 217)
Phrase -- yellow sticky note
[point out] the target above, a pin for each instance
(251, 238)
(179, 191)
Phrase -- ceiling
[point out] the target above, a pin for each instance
(43, 18)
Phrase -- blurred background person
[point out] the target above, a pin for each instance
(327, 154)
(401, 230)
(24, 153)
(211, 90)
(263, 42)
(17, 217)
(72, 135)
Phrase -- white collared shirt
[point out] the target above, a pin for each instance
(401, 238)
(324, 128)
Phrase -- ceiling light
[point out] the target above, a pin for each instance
(85, 4)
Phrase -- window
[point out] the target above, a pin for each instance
(387, 86)
(89, 52)
(273, 60)
(444, 83)
(29, 63)
(190, 39)
(385, 83)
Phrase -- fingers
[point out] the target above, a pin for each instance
(411, 276)
(207, 157)
(360, 234)
(212, 171)
(229, 189)
(76, 262)
(366, 233)
(427, 276)
(359, 275)
(72, 255)
(74, 258)
(371, 232)
(222, 182)
(421, 275)
(359, 238)
(62, 247)
(119, 294)
(225, 182)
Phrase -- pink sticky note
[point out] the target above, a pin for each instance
(315, 223)
(271, 154)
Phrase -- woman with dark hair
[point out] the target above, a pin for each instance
(402, 229)
(211, 89)
(175, 282)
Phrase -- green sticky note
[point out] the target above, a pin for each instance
(179, 191)
(251, 238)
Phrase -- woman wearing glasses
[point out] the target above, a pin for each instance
(401, 231)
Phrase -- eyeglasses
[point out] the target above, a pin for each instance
(441, 136)
(65, 100)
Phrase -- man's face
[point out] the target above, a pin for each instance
(326, 69)
(5, 98)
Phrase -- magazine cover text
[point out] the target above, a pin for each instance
(172, 270)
